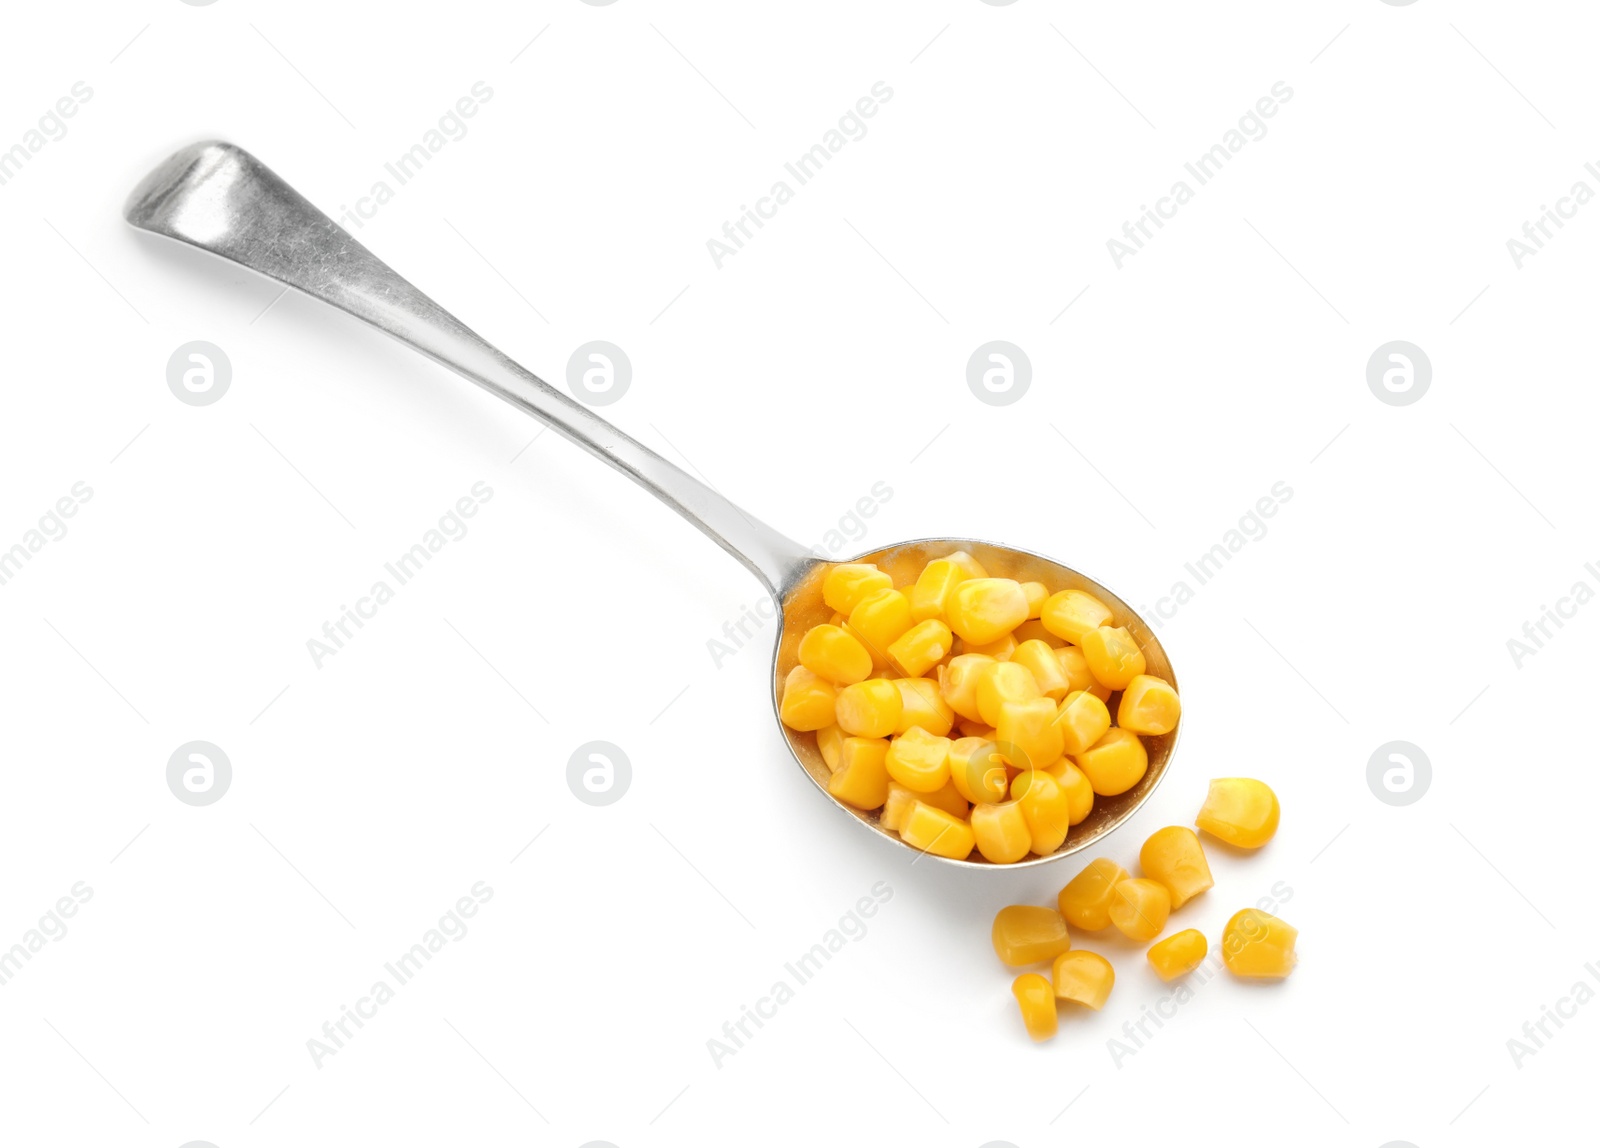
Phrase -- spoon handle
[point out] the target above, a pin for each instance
(221, 199)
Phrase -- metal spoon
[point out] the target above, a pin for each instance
(219, 198)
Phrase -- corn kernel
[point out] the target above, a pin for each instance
(1178, 954)
(1037, 1000)
(1028, 935)
(977, 770)
(878, 654)
(1001, 832)
(1040, 660)
(868, 709)
(1241, 811)
(1080, 794)
(830, 652)
(958, 683)
(1044, 807)
(881, 618)
(849, 582)
(1079, 677)
(1114, 657)
(933, 830)
(896, 806)
(1139, 908)
(967, 564)
(947, 798)
(1174, 857)
(969, 728)
(1037, 593)
(1027, 733)
(807, 700)
(1001, 682)
(1083, 720)
(862, 779)
(1258, 945)
(1082, 977)
(921, 648)
(1086, 899)
(930, 597)
(1071, 614)
(1001, 649)
(1149, 705)
(829, 742)
(918, 760)
(982, 609)
(921, 705)
(1033, 631)
(1114, 764)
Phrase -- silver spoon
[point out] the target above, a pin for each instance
(219, 198)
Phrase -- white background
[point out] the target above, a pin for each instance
(829, 355)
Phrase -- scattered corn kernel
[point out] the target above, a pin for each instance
(1241, 811)
(1082, 977)
(1114, 657)
(983, 609)
(977, 770)
(849, 582)
(1114, 764)
(1001, 649)
(880, 619)
(1174, 857)
(1258, 945)
(1037, 593)
(1178, 954)
(919, 761)
(921, 647)
(1080, 794)
(1033, 631)
(807, 700)
(922, 705)
(948, 798)
(933, 830)
(1086, 899)
(1001, 832)
(1028, 935)
(1037, 1000)
(1079, 677)
(1044, 807)
(970, 728)
(830, 652)
(862, 779)
(1040, 660)
(896, 806)
(1083, 720)
(829, 742)
(1139, 908)
(868, 709)
(1149, 705)
(958, 682)
(1027, 733)
(1071, 614)
(1001, 682)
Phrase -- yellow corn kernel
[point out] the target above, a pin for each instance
(1080, 794)
(807, 700)
(849, 582)
(1037, 593)
(862, 779)
(1079, 677)
(935, 831)
(1083, 720)
(1044, 807)
(969, 728)
(1178, 954)
(868, 709)
(958, 683)
(1037, 1000)
(983, 609)
(1174, 857)
(930, 596)
(881, 618)
(1027, 733)
(921, 705)
(831, 653)
(947, 798)
(977, 770)
(1033, 631)
(1139, 908)
(1086, 899)
(1040, 660)
(1000, 649)
(1028, 935)
(1001, 832)
(918, 760)
(1241, 811)
(829, 742)
(921, 648)
(967, 564)
(1258, 945)
(1082, 977)
(896, 806)
(1071, 614)
(1149, 705)
(1001, 682)
(1114, 764)
(1114, 657)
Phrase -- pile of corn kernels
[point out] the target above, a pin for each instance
(1024, 676)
